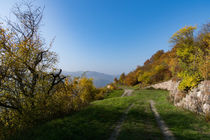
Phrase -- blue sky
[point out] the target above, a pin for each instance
(113, 36)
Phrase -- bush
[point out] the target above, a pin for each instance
(69, 96)
(100, 93)
(188, 81)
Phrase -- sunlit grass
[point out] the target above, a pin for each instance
(114, 93)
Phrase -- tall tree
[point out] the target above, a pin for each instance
(27, 73)
(188, 52)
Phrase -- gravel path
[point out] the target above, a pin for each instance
(127, 92)
(165, 130)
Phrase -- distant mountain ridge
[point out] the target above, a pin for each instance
(99, 79)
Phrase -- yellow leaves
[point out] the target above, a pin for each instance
(189, 81)
(159, 68)
(77, 92)
(86, 89)
(183, 35)
(144, 77)
(186, 29)
(183, 31)
(66, 82)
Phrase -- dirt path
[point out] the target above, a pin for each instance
(115, 133)
(127, 92)
(165, 130)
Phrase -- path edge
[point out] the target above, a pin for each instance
(162, 125)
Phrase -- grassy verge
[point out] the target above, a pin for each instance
(95, 122)
(114, 93)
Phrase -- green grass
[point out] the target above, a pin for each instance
(97, 121)
(140, 124)
(114, 93)
(184, 124)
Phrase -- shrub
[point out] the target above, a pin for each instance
(188, 81)
(100, 93)
(70, 96)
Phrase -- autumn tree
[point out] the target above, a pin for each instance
(193, 55)
(28, 77)
(173, 63)
(131, 79)
(116, 80)
(155, 69)
(74, 94)
(122, 78)
(203, 42)
(156, 56)
(187, 61)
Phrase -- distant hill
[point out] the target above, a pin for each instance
(99, 79)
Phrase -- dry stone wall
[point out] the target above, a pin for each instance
(196, 100)
(168, 85)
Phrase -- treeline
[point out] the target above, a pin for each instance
(188, 61)
(32, 89)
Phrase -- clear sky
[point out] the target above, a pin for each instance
(113, 36)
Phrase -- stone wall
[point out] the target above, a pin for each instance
(168, 85)
(196, 100)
